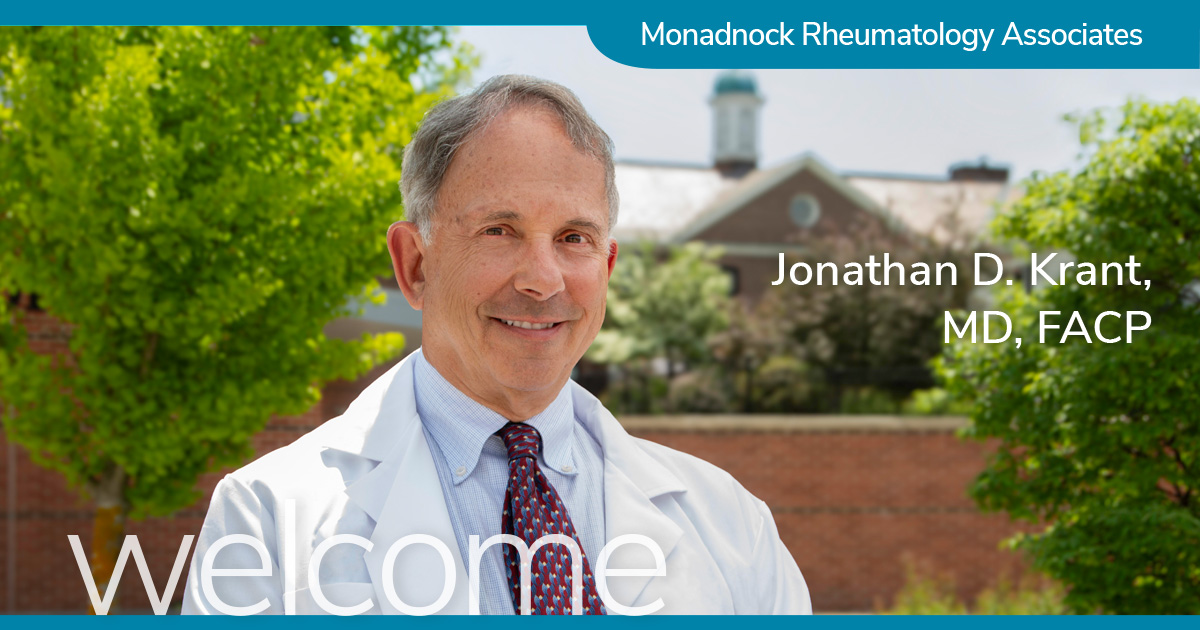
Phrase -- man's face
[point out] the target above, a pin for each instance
(516, 275)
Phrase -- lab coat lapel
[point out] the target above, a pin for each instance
(404, 497)
(638, 494)
(629, 510)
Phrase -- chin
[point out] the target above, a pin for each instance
(530, 376)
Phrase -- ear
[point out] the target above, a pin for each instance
(408, 261)
(612, 255)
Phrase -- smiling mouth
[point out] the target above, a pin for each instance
(527, 325)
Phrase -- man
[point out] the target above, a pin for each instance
(433, 492)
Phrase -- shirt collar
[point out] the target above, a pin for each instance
(461, 427)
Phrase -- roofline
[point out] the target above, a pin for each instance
(903, 176)
(916, 177)
(981, 162)
(666, 164)
(863, 173)
(806, 161)
(907, 177)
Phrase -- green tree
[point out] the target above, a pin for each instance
(866, 341)
(756, 356)
(1102, 442)
(196, 203)
(663, 305)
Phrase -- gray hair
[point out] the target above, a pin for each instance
(450, 124)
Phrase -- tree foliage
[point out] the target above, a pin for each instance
(1102, 442)
(196, 203)
(843, 347)
(819, 348)
(872, 336)
(663, 305)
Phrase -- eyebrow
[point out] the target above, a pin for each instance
(509, 215)
(502, 215)
(584, 224)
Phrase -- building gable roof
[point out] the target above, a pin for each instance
(674, 203)
(760, 182)
(659, 199)
(945, 209)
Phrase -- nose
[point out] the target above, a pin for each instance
(539, 274)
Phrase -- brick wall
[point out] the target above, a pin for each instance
(855, 497)
(852, 496)
(34, 526)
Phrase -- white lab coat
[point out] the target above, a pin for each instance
(370, 473)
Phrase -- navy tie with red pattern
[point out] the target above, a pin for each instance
(532, 509)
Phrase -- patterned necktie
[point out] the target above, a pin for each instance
(532, 509)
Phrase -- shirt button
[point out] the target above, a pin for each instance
(460, 471)
(567, 469)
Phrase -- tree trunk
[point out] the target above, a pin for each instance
(645, 375)
(108, 530)
(748, 402)
(667, 404)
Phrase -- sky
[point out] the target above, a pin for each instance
(914, 122)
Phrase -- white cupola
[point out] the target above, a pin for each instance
(736, 105)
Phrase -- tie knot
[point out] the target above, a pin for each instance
(521, 440)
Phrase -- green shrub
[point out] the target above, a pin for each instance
(1031, 595)
(867, 400)
(784, 384)
(928, 593)
(705, 390)
(934, 402)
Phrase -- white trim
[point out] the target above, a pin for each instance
(771, 423)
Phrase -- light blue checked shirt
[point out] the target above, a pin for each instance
(472, 465)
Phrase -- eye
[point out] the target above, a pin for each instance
(494, 231)
(574, 238)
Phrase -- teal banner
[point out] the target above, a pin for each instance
(675, 34)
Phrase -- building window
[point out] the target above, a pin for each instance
(724, 131)
(804, 210)
(735, 278)
(27, 301)
(746, 132)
